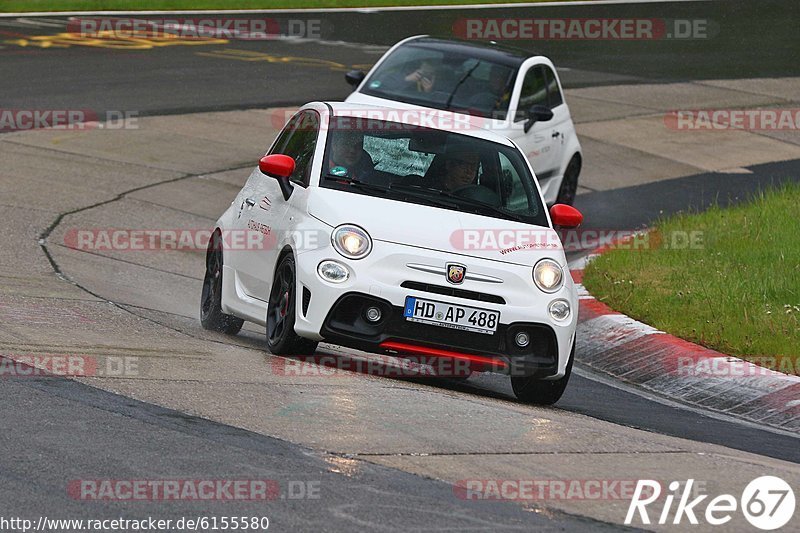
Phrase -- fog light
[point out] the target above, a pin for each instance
(559, 310)
(373, 314)
(522, 339)
(333, 272)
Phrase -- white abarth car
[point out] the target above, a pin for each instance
(400, 239)
(518, 94)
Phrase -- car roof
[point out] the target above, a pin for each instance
(408, 115)
(486, 50)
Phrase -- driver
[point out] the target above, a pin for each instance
(498, 80)
(461, 169)
(495, 99)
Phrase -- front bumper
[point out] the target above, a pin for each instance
(335, 312)
(346, 325)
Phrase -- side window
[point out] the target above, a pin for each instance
(283, 136)
(516, 196)
(554, 97)
(534, 92)
(299, 140)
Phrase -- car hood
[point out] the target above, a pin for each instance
(433, 228)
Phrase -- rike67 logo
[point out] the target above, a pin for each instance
(767, 503)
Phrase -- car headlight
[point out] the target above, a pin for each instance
(351, 241)
(548, 276)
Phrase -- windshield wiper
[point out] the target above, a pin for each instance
(425, 192)
(435, 196)
(462, 80)
(392, 189)
(357, 183)
(460, 200)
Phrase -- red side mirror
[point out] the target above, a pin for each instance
(276, 165)
(565, 216)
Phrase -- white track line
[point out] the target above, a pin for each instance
(347, 9)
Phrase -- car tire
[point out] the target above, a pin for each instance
(281, 313)
(211, 316)
(569, 184)
(542, 391)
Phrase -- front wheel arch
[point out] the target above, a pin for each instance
(281, 337)
(541, 391)
(212, 316)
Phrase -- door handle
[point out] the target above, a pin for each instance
(556, 134)
(250, 202)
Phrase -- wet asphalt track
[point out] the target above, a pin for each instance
(178, 79)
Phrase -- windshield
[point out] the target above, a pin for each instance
(431, 78)
(430, 167)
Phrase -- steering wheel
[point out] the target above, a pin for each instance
(410, 179)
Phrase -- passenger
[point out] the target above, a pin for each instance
(460, 169)
(423, 78)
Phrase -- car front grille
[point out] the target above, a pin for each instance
(453, 291)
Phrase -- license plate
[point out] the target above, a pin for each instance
(451, 316)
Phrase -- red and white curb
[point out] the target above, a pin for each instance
(617, 345)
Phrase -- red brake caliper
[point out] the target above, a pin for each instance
(285, 306)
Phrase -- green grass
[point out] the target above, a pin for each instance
(12, 6)
(736, 291)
